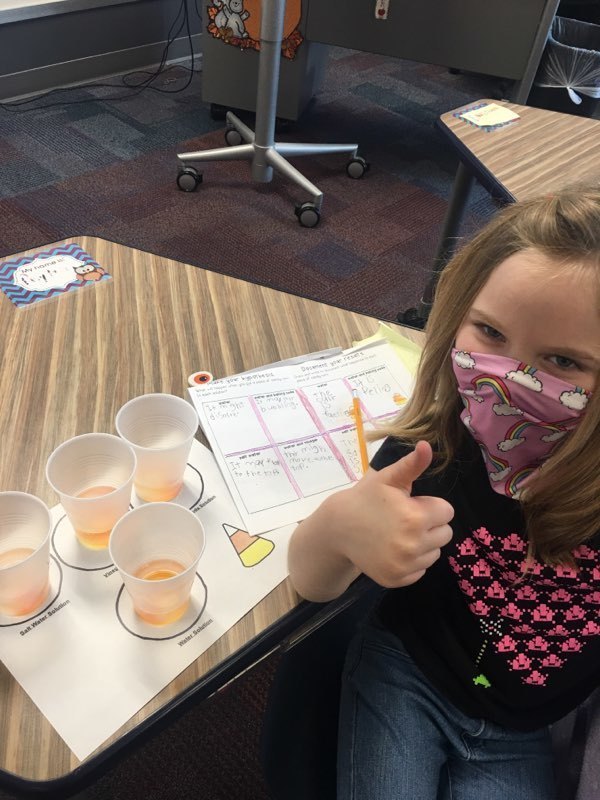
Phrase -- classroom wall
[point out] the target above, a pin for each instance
(86, 43)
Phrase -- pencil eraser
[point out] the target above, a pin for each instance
(199, 378)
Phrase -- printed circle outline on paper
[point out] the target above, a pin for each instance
(55, 592)
(124, 603)
(181, 501)
(71, 547)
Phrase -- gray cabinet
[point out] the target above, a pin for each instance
(493, 37)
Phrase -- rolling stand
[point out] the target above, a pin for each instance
(260, 148)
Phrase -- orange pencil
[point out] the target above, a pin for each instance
(360, 432)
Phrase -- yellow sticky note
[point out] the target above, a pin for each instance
(491, 114)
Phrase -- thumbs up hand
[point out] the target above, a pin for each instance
(404, 472)
(376, 528)
(385, 532)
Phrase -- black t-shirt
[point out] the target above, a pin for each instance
(521, 651)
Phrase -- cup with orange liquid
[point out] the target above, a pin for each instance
(156, 548)
(25, 527)
(160, 428)
(93, 477)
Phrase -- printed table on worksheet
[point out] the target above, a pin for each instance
(285, 438)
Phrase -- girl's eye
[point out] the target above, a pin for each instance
(564, 363)
(490, 332)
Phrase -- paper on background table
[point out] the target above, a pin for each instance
(88, 662)
(489, 115)
(284, 437)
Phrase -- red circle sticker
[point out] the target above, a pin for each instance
(200, 378)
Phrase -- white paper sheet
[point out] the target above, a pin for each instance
(285, 437)
(86, 660)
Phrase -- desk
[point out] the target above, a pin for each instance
(543, 151)
(66, 367)
(504, 38)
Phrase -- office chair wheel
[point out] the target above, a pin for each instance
(308, 215)
(356, 167)
(232, 137)
(188, 179)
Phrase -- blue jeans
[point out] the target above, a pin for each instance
(401, 740)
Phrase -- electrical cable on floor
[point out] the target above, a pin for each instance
(137, 88)
(160, 70)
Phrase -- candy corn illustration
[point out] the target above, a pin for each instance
(250, 549)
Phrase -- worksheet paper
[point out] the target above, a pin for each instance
(88, 662)
(285, 437)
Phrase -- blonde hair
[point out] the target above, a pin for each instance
(562, 506)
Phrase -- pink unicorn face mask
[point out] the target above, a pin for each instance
(516, 413)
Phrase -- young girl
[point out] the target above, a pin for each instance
(480, 516)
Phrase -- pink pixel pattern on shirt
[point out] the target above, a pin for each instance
(541, 619)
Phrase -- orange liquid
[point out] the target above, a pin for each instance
(159, 570)
(95, 540)
(158, 494)
(28, 601)
(14, 556)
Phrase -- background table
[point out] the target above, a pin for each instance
(66, 366)
(543, 151)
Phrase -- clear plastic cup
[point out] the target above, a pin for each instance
(160, 428)
(156, 548)
(93, 477)
(25, 527)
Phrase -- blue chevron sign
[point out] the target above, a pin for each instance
(48, 273)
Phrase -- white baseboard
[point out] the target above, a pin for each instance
(19, 10)
(33, 81)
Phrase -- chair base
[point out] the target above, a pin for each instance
(266, 158)
(260, 148)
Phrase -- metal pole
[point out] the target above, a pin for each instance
(271, 35)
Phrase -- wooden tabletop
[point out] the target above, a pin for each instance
(66, 366)
(542, 151)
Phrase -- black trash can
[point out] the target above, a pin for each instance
(568, 78)
(587, 10)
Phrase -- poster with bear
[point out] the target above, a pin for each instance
(237, 23)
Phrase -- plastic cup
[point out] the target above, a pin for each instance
(156, 548)
(25, 527)
(160, 428)
(93, 476)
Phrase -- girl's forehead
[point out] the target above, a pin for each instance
(531, 274)
(551, 302)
